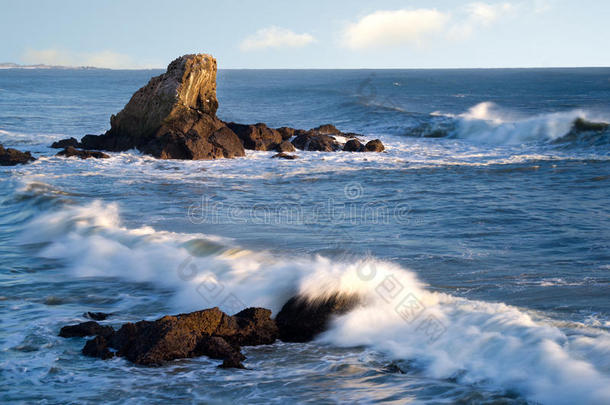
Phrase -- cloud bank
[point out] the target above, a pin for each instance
(275, 37)
(415, 27)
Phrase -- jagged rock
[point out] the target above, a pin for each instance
(256, 137)
(286, 132)
(322, 143)
(285, 147)
(374, 146)
(13, 157)
(209, 332)
(64, 143)
(98, 347)
(283, 155)
(353, 145)
(173, 116)
(326, 129)
(301, 320)
(90, 328)
(70, 151)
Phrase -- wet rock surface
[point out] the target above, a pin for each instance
(70, 151)
(13, 157)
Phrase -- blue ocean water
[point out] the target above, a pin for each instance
(480, 240)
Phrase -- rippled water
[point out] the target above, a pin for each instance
(499, 230)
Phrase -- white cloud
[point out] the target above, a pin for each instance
(398, 27)
(275, 37)
(103, 59)
(485, 14)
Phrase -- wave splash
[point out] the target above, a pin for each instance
(448, 337)
(489, 123)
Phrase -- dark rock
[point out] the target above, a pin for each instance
(210, 332)
(286, 132)
(374, 146)
(283, 155)
(300, 320)
(98, 347)
(97, 316)
(64, 143)
(285, 147)
(12, 157)
(311, 141)
(326, 129)
(257, 137)
(70, 151)
(89, 328)
(353, 145)
(173, 116)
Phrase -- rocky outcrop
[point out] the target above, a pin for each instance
(285, 146)
(70, 151)
(374, 146)
(13, 157)
(64, 143)
(316, 142)
(286, 132)
(301, 320)
(173, 116)
(257, 137)
(353, 145)
(209, 332)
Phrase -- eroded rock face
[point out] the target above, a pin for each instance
(257, 137)
(13, 157)
(301, 320)
(285, 146)
(173, 116)
(209, 332)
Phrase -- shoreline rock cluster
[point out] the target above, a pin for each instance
(174, 117)
(209, 332)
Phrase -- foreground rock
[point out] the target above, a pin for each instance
(283, 155)
(13, 157)
(70, 151)
(209, 332)
(174, 117)
(301, 320)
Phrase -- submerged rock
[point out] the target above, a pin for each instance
(13, 157)
(209, 332)
(581, 125)
(301, 319)
(70, 151)
(64, 143)
(283, 155)
(97, 316)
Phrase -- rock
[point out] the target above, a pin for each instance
(285, 147)
(257, 137)
(353, 145)
(300, 320)
(286, 132)
(173, 116)
(89, 328)
(98, 347)
(70, 151)
(64, 143)
(13, 157)
(326, 129)
(581, 125)
(209, 332)
(97, 316)
(374, 146)
(310, 141)
(283, 155)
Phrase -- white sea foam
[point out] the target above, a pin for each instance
(473, 341)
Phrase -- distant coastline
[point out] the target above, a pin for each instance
(9, 65)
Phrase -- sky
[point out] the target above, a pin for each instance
(135, 34)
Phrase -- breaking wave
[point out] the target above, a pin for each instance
(473, 342)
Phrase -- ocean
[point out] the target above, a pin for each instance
(479, 241)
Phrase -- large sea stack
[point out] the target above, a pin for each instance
(173, 116)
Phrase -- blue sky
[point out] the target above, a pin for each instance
(311, 34)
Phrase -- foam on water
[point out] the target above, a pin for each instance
(471, 341)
